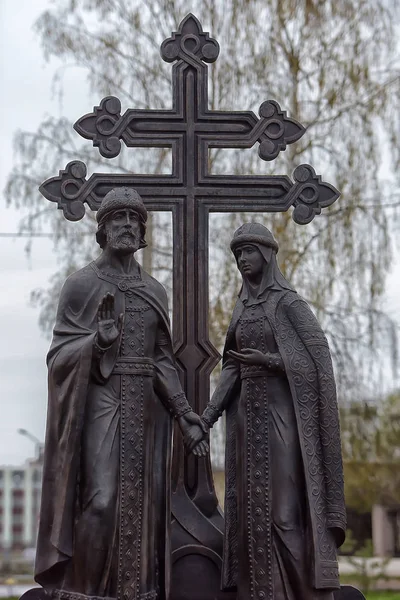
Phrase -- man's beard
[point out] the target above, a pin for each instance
(125, 241)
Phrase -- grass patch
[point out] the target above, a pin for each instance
(383, 596)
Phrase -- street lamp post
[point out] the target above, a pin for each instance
(38, 444)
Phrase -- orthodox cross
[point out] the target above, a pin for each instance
(190, 192)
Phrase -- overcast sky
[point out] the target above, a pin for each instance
(25, 84)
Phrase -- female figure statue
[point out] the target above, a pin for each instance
(284, 503)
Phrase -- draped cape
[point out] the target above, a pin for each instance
(69, 362)
(306, 356)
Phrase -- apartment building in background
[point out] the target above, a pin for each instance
(20, 492)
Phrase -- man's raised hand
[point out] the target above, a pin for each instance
(107, 329)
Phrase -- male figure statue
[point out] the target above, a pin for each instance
(113, 387)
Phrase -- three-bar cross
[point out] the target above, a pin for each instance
(190, 192)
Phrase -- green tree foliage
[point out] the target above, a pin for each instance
(371, 453)
(332, 65)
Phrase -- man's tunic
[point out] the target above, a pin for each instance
(108, 442)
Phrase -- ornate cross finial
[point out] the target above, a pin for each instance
(190, 192)
(190, 43)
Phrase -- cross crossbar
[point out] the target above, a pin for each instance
(190, 192)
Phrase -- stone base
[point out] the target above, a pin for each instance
(347, 592)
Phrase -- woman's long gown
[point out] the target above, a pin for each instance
(272, 511)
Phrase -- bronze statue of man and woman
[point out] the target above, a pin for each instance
(113, 393)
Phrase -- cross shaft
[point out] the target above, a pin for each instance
(190, 192)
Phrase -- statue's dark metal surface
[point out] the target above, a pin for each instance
(105, 513)
(285, 514)
(189, 129)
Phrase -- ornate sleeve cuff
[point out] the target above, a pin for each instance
(334, 519)
(99, 349)
(211, 414)
(178, 405)
(274, 362)
(338, 529)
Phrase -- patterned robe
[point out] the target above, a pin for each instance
(284, 501)
(106, 481)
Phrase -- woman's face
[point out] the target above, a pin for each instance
(250, 261)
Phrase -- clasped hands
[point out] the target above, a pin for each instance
(194, 432)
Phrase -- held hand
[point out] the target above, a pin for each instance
(249, 356)
(201, 449)
(192, 428)
(191, 418)
(193, 435)
(107, 329)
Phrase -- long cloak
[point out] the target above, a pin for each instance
(305, 353)
(70, 361)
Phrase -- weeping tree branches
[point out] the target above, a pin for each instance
(332, 66)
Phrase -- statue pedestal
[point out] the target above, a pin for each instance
(186, 592)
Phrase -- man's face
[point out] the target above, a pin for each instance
(250, 261)
(123, 231)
